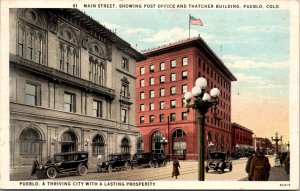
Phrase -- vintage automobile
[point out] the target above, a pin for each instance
(149, 159)
(116, 161)
(218, 161)
(68, 162)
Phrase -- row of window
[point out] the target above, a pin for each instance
(162, 79)
(213, 74)
(162, 105)
(30, 141)
(162, 65)
(32, 97)
(162, 117)
(162, 92)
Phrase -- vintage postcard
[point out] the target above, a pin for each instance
(119, 94)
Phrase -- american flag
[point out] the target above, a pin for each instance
(195, 21)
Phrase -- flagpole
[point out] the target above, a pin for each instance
(189, 25)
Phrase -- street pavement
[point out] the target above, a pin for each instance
(188, 172)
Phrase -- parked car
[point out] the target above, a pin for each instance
(218, 161)
(249, 153)
(149, 159)
(116, 161)
(67, 162)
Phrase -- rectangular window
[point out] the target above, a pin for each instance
(142, 70)
(162, 66)
(184, 88)
(161, 117)
(151, 119)
(162, 79)
(173, 63)
(172, 117)
(172, 103)
(124, 116)
(184, 115)
(124, 90)
(183, 103)
(184, 61)
(151, 68)
(151, 93)
(69, 102)
(142, 95)
(125, 63)
(142, 83)
(151, 81)
(162, 92)
(142, 119)
(31, 94)
(151, 106)
(97, 108)
(142, 107)
(184, 75)
(173, 90)
(173, 77)
(162, 105)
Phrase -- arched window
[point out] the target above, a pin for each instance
(68, 142)
(98, 145)
(140, 143)
(157, 147)
(101, 74)
(29, 142)
(21, 41)
(179, 142)
(30, 45)
(39, 49)
(125, 145)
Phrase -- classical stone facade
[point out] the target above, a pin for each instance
(72, 87)
(162, 80)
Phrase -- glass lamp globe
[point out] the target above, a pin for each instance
(201, 83)
(196, 91)
(188, 96)
(215, 92)
(206, 97)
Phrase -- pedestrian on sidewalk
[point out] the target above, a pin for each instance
(259, 167)
(248, 166)
(176, 167)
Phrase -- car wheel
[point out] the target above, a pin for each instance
(82, 170)
(110, 169)
(51, 172)
(151, 164)
(156, 165)
(128, 166)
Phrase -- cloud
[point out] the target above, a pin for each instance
(264, 29)
(235, 61)
(131, 31)
(257, 82)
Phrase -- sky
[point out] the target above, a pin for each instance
(253, 44)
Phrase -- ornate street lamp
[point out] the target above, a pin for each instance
(163, 141)
(202, 102)
(276, 139)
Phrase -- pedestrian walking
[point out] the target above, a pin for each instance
(259, 167)
(287, 164)
(176, 167)
(248, 166)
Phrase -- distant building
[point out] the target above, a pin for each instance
(162, 80)
(72, 87)
(263, 144)
(241, 138)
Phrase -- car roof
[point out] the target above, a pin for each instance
(71, 153)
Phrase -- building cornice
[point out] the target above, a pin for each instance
(192, 42)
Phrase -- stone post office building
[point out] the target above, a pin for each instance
(72, 87)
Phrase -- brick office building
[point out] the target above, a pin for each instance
(241, 138)
(162, 79)
(72, 87)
